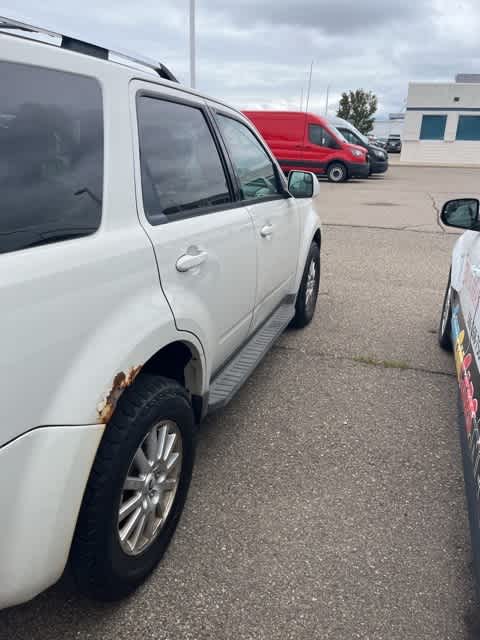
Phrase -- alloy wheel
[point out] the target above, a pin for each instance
(150, 487)
(311, 285)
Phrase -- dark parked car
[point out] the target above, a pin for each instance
(381, 142)
(394, 144)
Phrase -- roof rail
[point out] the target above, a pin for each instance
(87, 48)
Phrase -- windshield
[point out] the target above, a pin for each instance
(363, 138)
(350, 134)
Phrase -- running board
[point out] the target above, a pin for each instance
(226, 384)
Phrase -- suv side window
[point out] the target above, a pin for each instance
(320, 136)
(255, 170)
(51, 156)
(182, 173)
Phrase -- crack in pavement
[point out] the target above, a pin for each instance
(410, 228)
(383, 364)
(437, 211)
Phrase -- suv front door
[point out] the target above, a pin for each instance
(273, 211)
(204, 242)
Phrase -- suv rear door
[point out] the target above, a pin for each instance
(204, 242)
(260, 184)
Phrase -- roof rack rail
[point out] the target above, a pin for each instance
(87, 48)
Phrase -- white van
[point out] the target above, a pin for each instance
(378, 156)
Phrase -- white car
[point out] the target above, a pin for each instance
(459, 330)
(151, 251)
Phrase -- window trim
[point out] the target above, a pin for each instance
(433, 115)
(283, 194)
(203, 108)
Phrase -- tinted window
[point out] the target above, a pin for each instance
(181, 169)
(253, 166)
(433, 127)
(51, 156)
(320, 136)
(468, 128)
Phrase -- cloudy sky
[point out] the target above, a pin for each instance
(256, 53)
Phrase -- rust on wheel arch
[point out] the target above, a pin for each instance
(121, 381)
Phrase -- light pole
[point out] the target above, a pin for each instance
(309, 86)
(192, 44)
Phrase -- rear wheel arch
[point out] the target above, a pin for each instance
(178, 360)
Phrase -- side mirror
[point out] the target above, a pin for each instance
(333, 144)
(461, 213)
(303, 184)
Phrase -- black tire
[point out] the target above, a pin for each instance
(445, 324)
(305, 308)
(102, 569)
(337, 172)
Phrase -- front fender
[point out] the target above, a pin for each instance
(310, 225)
(459, 254)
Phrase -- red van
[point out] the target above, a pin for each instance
(310, 143)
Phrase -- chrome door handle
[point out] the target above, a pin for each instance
(190, 261)
(266, 231)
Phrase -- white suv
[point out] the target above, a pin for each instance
(150, 253)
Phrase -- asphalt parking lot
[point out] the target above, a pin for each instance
(327, 500)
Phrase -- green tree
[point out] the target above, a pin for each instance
(358, 107)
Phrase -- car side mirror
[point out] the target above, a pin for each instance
(461, 213)
(303, 184)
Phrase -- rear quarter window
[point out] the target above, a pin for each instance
(51, 156)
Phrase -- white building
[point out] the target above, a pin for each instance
(442, 123)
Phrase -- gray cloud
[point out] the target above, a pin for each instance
(256, 53)
(341, 16)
